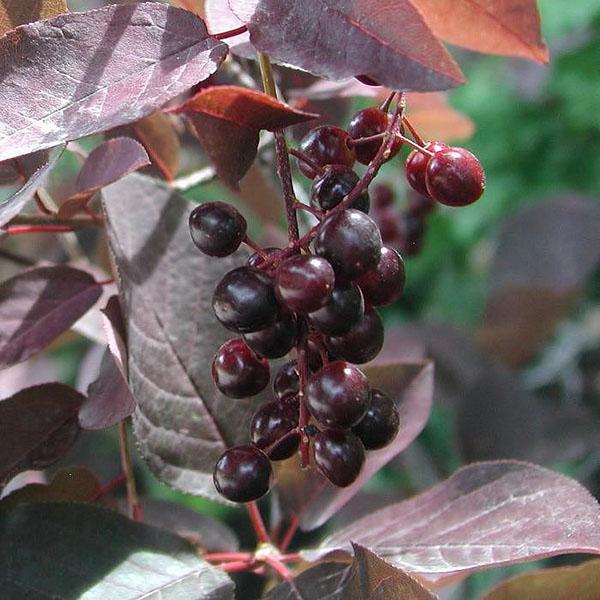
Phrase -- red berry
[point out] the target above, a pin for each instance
(381, 423)
(333, 185)
(350, 241)
(365, 123)
(416, 166)
(304, 282)
(338, 395)
(217, 228)
(455, 177)
(237, 371)
(326, 145)
(384, 284)
(270, 423)
(339, 455)
(243, 474)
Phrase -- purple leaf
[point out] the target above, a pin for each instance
(310, 496)
(387, 41)
(38, 425)
(322, 582)
(40, 304)
(10, 208)
(116, 334)
(105, 67)
(486, 514)
(182, 423)
(107, 163)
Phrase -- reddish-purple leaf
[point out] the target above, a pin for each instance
(310, 496)
(486, 514)
(38, 425)
(10, 208)
(508, 27)
(106, 164)
(40, 304)
(227, 120)
(105, 67)
(116, 334)
(388, 40)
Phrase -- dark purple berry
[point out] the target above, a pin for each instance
(217, 228)
(243, 474)
(338, 395)
(419, 205)
(286, 382)
(237, 371)
(382, 195)
(350, 241)
(389, 221)
(416, 166)
(255, 259)
(304, 282)
(362, 343)
(333, 185)
(244, 301)
(344, 309)
(326, 145)
(384, 284)
(411, 233)
(276, 340)
(339, 455)
(381, 423)
(365, 123)
(271, 423)
(455, 177)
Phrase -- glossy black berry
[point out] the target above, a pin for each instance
(244, 301)
(272, 422)
(237, 371)
(326, 145)
(416, 166)
(276, 340)
(362, 343)
(381, 423)
(243, 474)
(333, 185)
(455, 177)
(365, 123)
(350, 241)
(339, 455)
(304, 282)
(217, 228)
(338, 395)
(286, 382)
(344, 309)
(384, 284)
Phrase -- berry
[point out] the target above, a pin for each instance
(339, 455)
(243, 474)
(345, 308)
(217, 228)
(381, 423)
(304, 282)
(388, 220)
(362, 343)
(287, 380)
(244, 300)
(333, 185)
(255, 259)
(382, 196)
(350, 241)
(276, 340)
(326, 145)
(385, 283)
(419, 205)
(455, 177)
(237, 371)
(270, 423)
(411, 233)
(338, 395)
(365, 123)
(416, 166)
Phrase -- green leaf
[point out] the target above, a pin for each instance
(68, 551)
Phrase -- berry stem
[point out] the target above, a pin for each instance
(237, 566)
(133, 502)
(281, 150)
(254, 246)
(304, 416)
(281, 570)
(313, 211)
(108, 487)
(223, 35)
(257, 523)
(305, 159)
(23, 229)
(413, 131)
(387, 102)
(289, 534)
(221, 557)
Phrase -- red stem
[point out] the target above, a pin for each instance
(223, 35)
(237, 566)
(227, 556)
(313, 211)
(22, 229)
(254, 246)
(304, 415)
(257, 522)
(305, 159)
(109, 487)
(413, 131)
(289, 535)
(386, 104)
(285, 176)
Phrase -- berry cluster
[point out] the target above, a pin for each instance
(317, 298)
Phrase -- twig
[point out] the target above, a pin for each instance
(133, 502)
(257, 523)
